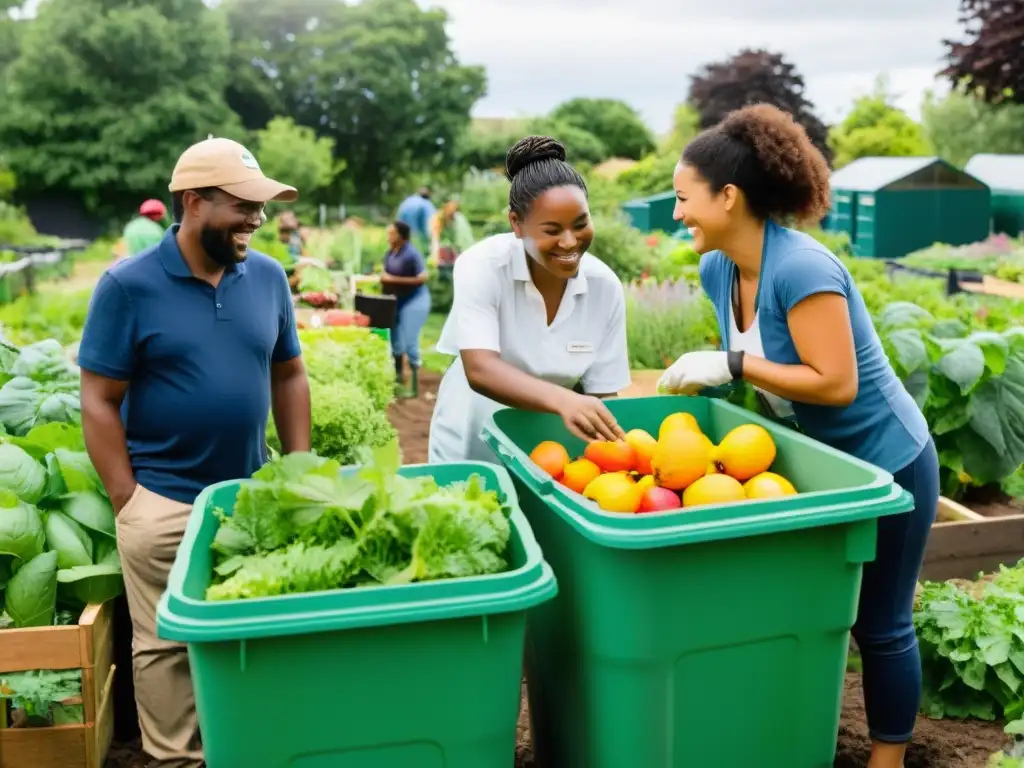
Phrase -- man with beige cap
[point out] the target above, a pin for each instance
(186, 349)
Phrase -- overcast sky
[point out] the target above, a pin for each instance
(541, 52)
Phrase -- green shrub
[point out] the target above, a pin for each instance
(344, 419)
(666, 320)
(623, 248)
(56, 315)
(353, 355)
(351, 383)
(442, 289)
(678, 261)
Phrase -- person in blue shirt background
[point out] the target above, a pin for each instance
(405, 278)
(794, 325)
(417, 211)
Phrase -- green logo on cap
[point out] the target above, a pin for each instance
(249, 161)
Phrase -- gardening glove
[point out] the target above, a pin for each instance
(695, 371)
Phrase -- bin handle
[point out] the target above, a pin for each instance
(541, 482)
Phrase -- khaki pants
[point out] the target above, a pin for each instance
(149, 530)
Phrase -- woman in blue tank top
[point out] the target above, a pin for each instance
(794, 325)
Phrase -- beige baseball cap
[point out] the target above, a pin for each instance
(229, 166)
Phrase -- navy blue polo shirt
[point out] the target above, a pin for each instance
(407, 261)
(197, 359)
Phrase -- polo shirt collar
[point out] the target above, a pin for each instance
(521, 271)
(174, 262)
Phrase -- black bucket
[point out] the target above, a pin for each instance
(380, 309)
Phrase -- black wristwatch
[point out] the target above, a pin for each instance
(735, 359)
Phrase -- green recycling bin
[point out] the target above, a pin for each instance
(424, 675)
(711, 637)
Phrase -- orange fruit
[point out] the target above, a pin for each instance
(768, 485)
(713, 489)
(617, 456)
(643, 446)
(615, 492)
(681, 457)
(551, 457)
(745, 451)
(578, 474)
(674, 421)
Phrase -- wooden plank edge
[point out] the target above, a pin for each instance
(103, 732)
(957, 511)
(51, 647)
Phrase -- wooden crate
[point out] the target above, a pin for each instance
(87, 646)
(964, 543)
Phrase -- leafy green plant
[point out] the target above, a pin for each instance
(1000, 255)
(58, 545)
(970, 387)
(972, 646)
(45, 696)
(1014, 757)
(623, 248)
(370, 528)
(355, 355)
(46, 315)
(352, 381)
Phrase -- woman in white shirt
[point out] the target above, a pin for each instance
(537, 323)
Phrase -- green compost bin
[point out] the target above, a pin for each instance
(714, 637)
(425, 675)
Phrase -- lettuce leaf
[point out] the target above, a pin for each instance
(371, 527)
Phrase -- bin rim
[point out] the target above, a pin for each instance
(187, 619)
(880, 497)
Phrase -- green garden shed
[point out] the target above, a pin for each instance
(892, 206)
(653, 213)
(1004, 175)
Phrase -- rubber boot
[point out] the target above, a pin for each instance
(399, 372)
(414, 376)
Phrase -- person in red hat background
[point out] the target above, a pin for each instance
(147, 229)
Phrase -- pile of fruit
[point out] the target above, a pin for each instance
(680, 468)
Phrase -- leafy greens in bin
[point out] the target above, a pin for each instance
(58, 547)
(300, 526)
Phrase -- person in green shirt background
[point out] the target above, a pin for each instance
(146, 229)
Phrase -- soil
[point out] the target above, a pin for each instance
(937, 744)
(945, 744)
(992, 502)
(411, 417)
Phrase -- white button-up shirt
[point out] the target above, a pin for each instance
(497, 307)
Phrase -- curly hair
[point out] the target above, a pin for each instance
(534, 165)
(767, 154)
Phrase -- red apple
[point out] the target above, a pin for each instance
(658, 499)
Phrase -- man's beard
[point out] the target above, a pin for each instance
(220, 246)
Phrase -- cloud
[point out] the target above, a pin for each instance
(541, 52)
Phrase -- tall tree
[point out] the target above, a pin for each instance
(751, 77)
(613, 122)
(877, 128)
(991, 57)
(102, 97)
(378, 77)
(296, 155)
(962, 124)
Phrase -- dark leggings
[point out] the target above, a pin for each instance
(884, 630)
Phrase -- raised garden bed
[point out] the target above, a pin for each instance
(965, 542)
(87, 646)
